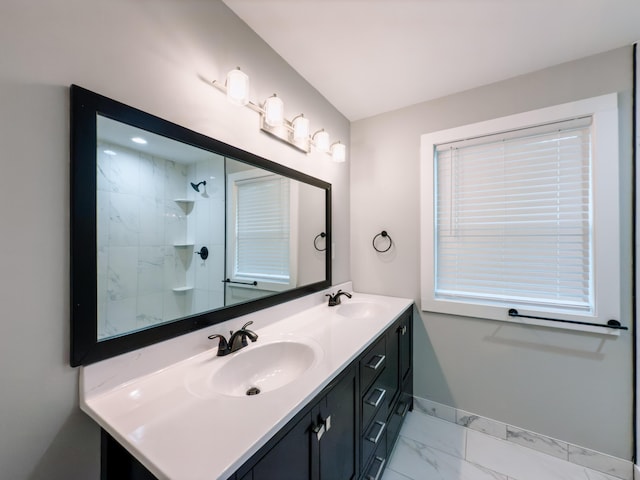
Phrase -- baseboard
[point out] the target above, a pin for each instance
(601, 462)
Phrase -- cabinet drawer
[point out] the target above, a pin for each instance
(372, 364)
(373, 435)
(374, 402)
(378, 462)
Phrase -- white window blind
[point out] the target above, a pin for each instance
(513, 218)
(262, 228)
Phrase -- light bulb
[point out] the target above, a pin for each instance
(300, 128)
(321, 140)
(339, 152)
(238, 87)
(274, 111)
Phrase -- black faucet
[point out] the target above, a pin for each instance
(237, 340)
(335, 299)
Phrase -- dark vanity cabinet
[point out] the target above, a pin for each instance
(350, 432)
(387, 383)
(347, 432)
(320, 444)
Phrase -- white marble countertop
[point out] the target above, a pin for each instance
(179, 428)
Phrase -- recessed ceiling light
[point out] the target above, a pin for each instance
(139, 140)
(110, 152)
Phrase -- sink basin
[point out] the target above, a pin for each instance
(264, 367)
(361, 309)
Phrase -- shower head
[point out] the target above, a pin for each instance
(196, 186)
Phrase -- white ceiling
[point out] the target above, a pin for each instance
(372, 56)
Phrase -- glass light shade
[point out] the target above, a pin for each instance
(274, 111)
(339, 152)
(321, 140)
(238, 87)
(300, 128)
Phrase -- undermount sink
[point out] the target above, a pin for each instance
(263, 367)
(361, 309)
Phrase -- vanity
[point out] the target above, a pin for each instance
(335, 413)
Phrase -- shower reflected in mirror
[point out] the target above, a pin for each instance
(196, 186)
(140, 218)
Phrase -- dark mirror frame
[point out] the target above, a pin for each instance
(85, 347)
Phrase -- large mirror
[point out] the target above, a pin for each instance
(174, 231)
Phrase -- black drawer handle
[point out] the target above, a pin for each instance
(381, 393)
(377, 365)
(380, 468)
(382, 426)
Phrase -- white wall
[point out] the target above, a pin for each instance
(572, 386)
(157, 56)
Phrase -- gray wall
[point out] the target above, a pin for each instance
(572, 386)
(157, 56)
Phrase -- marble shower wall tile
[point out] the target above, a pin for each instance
(149, 310)
(152, 177)
(122, 273)
(150, 270)
(124, 220)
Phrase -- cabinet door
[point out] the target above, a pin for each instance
(405, 333)
(391, 381)
(338, 443)
(290, 458)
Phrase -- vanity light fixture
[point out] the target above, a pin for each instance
(111, 153)
(339, 152)
(272, 120)
(321, 140)
(139, 140)
(300, 126)
(274, 111)
(237, 87)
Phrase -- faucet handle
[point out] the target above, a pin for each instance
(246, 325)
(223, 346)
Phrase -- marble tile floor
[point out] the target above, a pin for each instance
(430, 448)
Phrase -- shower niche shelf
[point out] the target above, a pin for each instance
(183, 245)
(185, 204)
(186, 288)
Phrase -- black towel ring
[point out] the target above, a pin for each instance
(320, 235)
(383, 234)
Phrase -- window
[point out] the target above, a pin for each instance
(261, 229)
(522, 212)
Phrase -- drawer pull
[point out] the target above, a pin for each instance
(377, 365)
(376, 439)
(380, 468)
(319, 431)
(381, 393)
